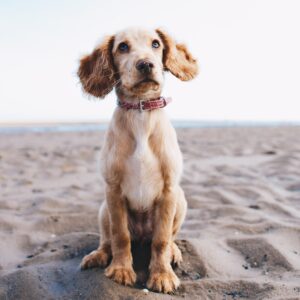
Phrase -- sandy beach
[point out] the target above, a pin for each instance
(240, 238)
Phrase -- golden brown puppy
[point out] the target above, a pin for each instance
(141, 161)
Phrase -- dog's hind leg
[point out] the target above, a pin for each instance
(101, 256)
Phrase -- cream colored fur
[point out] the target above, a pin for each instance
(140, 160)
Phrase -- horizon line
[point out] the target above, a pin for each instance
(106, 121)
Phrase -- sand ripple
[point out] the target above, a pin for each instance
(240, 239)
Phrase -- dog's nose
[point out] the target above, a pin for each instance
(144, 66)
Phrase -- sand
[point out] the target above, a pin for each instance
(240, 239)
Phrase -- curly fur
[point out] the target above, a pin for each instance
(177, 59)
(96, 71)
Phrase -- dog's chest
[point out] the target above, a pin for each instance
(142, 182)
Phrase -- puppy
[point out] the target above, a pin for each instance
(140, 160)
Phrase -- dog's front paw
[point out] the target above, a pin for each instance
(165, 282)
(120, 274)
(97, 258)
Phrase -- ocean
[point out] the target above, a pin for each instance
(81, 127)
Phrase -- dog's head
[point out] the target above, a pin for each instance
(134, 61)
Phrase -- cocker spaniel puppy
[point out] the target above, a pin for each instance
(141, 161)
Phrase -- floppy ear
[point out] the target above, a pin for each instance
(177, 59)
(96, 71)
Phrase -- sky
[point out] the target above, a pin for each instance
(248, 52)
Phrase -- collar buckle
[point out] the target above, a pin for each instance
(141, 105)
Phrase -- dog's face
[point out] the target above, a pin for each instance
(137, 55)
(134, 61)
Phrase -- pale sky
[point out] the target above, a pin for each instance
(248, 51)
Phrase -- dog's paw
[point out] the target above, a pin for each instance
(165, 282)
(176, 257)
(97, 258)
(122, 275)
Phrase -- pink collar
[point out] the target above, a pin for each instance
(143, 105)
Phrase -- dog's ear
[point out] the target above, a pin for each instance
(96, 71)
(177, 59)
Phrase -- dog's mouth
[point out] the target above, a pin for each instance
(146, 81)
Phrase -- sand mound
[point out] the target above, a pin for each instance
(258, 253)
(54, 273)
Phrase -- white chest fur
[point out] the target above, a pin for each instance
(142, 182)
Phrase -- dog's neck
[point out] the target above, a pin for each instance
(135, 99)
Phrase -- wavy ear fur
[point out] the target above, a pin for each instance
(177, 59)
(96, 71)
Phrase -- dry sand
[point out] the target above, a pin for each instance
(240, 239)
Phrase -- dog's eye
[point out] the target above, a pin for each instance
(123, 47)
(155, 44)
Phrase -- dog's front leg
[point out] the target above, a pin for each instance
(120, 269)
(162, 277)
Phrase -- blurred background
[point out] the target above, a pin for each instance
(248, 53)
